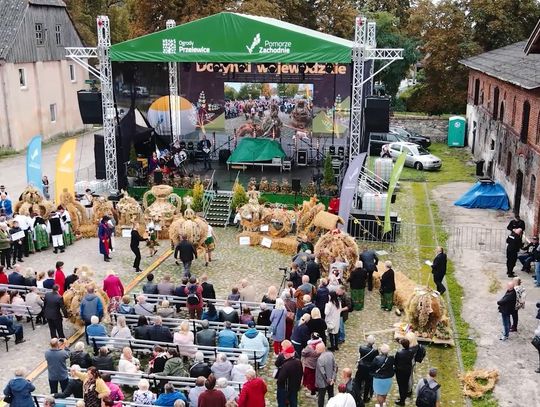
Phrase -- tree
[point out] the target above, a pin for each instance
(249, 91)
(328, 175)
(264, 8)
(265, 90)
(239, 197)
(198, 196)
(287, 89)
(399, 8)
(230, 93)
(336, 17)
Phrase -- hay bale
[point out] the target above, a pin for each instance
(87, 231)
(285, 245)
(333, 244)
(327, 220)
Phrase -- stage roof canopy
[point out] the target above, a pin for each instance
(235, 38)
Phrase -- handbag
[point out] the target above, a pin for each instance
(536, 342)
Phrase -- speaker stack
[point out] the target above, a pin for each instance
(296, 186)
(90, 107)
(376, 117)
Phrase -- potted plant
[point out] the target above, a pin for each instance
(329, 183)
(198, 195)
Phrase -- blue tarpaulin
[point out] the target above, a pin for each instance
(485, 196)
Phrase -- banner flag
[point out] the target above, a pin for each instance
(349, 187)
(33, 163)
(394, 178)
(65, 169)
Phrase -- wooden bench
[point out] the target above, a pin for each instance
(23, 289)
(39, 401)
(19, 310)
(4, 334)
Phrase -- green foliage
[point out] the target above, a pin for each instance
(230, 93)
(239, 197)
(132, 153)
(250, 91)
(287, 89)
(197, 193)
(328, 175)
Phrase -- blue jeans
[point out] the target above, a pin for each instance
(506, 324)
(525, 260)
(537, 272)
(341, 334)
(187, 268)
(283, 395)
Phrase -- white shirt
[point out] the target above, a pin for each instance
(23, 221)
(341, 400)
(210, 231)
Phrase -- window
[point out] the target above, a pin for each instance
(513, 112)
(52, 109)
(58, 34)
(532, 189)
(72, 76)
(508, 163)
(499, 154)
(496, 103)
(40, 34)
(492, 145)
(538, 130)
(476, 95)
(22, 78)
(501, 112)
(525, 122)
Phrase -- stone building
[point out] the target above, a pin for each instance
(503, 115)
(38, 85)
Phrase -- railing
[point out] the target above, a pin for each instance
(374, 179)
(229, 203)
(208, 194)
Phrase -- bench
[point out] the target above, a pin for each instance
(19, 310)
(39, 401)
(4, 333)
(23, 289)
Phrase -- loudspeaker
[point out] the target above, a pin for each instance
(224, 156)
(99, 156)
(377, 114)
(296, 187)
(90, 107)
(301, 158)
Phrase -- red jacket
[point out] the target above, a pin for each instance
(60, 279)
(252, 394)
(3, 278)
(112, 285)
(198, 290)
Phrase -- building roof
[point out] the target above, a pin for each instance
(12, 17)
(53, 3)
(533, 44)
(509, 64)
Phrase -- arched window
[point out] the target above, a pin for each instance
(532, 188)
(537, 141)
(501, 112)
(496, 103)
(513, 122)
(499, 155)
(508, 163)
(525, 116)
(476, 94)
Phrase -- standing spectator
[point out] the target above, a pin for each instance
(513, 246)
(342, 399)
(247, 291)
(5, 248)
(357, 280)
(419, 353)
(222, 367)
(239, 370)
(271, 295)
(136, 238)
(53, 310)
(94, 388)
(115, 393)
(103, 361)
(158, 332)
(369, 261)
(323, 295)
(194, 302)
(208, 291)
(290, 306)
(150, 287)
(300, 334)
(56, 357)
(104, 236)
(196, 391)
(303, 305)
(19, 390)
(351, 387)
(317, 325)
(309, 361)
(516, 223)
(206, 336)
(347, 306)
(428, 391)
(253, 391)
(113, 287)
(186, 253)
(325, 374)
(80, 357)
(142, 328)
(313, 270)
(185, 338)
(257, 343)
(332, 311)
(5, 206)
(165, 287)
(263, 319)
(60, 277)
(403, 362)
(143, 395)
(227, 338)
(289, 378)
(90, 305)
(277, 324)
(200, 367)
(144, 308)
(212, 397)
(388, 286)
(71, 279)
(520, 302)
(306, 287)
(128, 363)
(507, 305)
(121, 330)
(438, 269)
(382, 370)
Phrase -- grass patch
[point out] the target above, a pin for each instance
(7, 151)
(421, 114)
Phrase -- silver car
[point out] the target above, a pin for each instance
(417, 157)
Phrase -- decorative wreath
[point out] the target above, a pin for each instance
(473, 388)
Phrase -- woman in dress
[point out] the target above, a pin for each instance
(94, 388)
(277, 323)
(104, 235)
(143, 395)
(332, 312)
(113, 287)
(41, 237)
(185, 339)
(382, 370)
(357, 280)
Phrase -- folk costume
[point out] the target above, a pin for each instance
(56, 230)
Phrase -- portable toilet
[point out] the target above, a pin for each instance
(456, 131)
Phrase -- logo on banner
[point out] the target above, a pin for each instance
(269, 47)
(172, 46)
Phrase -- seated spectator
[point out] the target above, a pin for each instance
(270, 296)
(143, 395)
(210, 313)
(16, 277)
(206, 336)
(246, 316)
(16, 299)
(121, 330)
(228, 313)
(184, 337)
(180, 290)
(174, 366)
(254, 340)
(4, 297)
(158, 332)
(264, 315)
(222, 367)
(169, 396)
(3, 275)
(227, 338)
(165, 310)
(115, 395)
(80, 357)
(75, 385)
(30, 277)
(125, 306)
(141, 330)
(199, 367)
(238, 372)
(207, 288)
(196, 391)
(222, 385)
(40, 278)
(96, 329)
(247, 291)
(49, 281)
(253, 391)
(143, 308)
(233, 297)
(128, 363)
(149, 287)
(165, 287)
(211, 397)
(103, 361)
(34, 301)
(159, 358)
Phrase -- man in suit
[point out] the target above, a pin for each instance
(438, 268)
(136, 238)
(516, 223)
(207, 288)
(158, 332)
(205, 145)
(53, 310)
(186, 252)
(13, 328)
(369, 260)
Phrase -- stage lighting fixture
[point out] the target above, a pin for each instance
(242, 67)
(329, 68)
(302, 67)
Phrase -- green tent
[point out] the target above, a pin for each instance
(256, 150)
(235, 38)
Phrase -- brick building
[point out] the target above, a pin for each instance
(503, 115)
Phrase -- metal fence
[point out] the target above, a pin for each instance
(454, 237)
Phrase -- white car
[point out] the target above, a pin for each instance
(417, 157)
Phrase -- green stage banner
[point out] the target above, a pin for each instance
(256, 150)
(394, 178)
(235, 38)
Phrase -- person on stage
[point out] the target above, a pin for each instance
(136, 238)
(205, 145)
